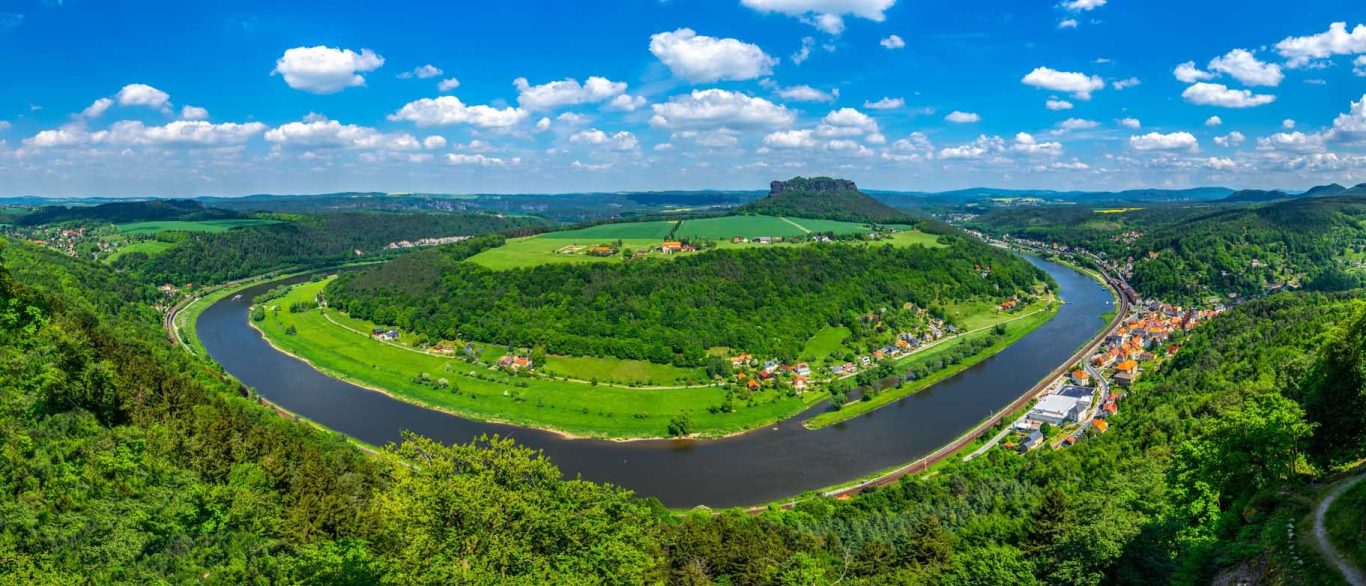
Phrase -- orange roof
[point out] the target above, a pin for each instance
(1127, 366)
(1101, 425)
(672, 243)
(1080, 374)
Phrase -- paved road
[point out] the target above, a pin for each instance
(1349, 572)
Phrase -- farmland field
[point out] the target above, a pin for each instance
(186, 226)
(553, 247)
(148, 247)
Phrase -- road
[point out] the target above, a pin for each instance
(1351, 573)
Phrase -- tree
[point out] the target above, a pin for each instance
(680, 425)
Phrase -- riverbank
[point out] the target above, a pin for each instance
(1016, 329)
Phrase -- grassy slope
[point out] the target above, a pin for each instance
(827, 341)
(616, 370)
(1014, 331)
(148, 247)
(1346, 522)
(579, 409)
(202, 226)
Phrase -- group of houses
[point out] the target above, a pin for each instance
(516, 362)
(799, 375)
(384, 334)
(424, 242)
(1143, 336)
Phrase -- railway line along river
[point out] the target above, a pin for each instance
(761, 466)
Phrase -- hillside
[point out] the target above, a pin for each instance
(824, 198)
(766, 301)
(129, 211)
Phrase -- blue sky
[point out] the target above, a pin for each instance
(176, 98)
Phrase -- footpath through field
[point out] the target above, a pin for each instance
(799, 226)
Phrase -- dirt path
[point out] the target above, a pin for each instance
(1349, 572)
(799, 226)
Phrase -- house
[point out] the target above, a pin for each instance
(1055, 409)
(837, 370)
(1007, 304)
(864, 360)
(1035, 440)
(878, 354)
(384, 335)
(377, 332)
(771, 366)
(763, 240)
(739, 240)
(765, 375)
(740, 360)
(1108, 409)
(670, 246)
(1128, 366)
(1100, 425)
(752, 385)
(1080, 377)
(799, 383)
(601, 251)
(803, 369)
(1126, 379)
(514, 362)
(443, 349)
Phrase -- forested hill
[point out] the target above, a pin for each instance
(1247, 250)
(130, 211)
(767, 301)
(307, 241)
(823, 197)
(1198, 252)
(126, 461)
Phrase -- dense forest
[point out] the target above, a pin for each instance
(764, 301)
(123, 212)
(823, 197)
(209, 257)
(1192, 253)
(124, 460)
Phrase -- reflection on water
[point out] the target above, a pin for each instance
(761, 466)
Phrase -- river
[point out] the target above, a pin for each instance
(764, 465)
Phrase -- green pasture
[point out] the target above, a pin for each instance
(188, 226)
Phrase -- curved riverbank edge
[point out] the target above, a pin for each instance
(963, 441)
(768, 466)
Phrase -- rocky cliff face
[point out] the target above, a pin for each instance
(815, 184)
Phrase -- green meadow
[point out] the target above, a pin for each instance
(148, 247)
(155, 226)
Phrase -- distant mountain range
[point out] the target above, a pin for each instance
(1258, 195)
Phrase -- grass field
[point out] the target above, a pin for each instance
(201, 226)
(617, 370)
(479, 393)
(827, 341)
(1346, 524)
(148, 247)
(1014, 331)
(548, 248)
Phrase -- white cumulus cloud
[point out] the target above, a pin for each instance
(804, 93)
(447, 110)
(139, 94)
(1156, 141)
(1299, 51)
(1083, 4)
(885, 104)
(619, 141)
(1056, 105)
(194, 113)
(447, 84)
(316, 131)
(826, 15)
(1214, 121)
(1231, 139)
(464, 160)
(566, 92)
(1132, 123)
(892, 42)
(326, 70)
(1217, 94)
(1188, 73)
(702, 59)
(1077, 84)
(1242, 65)
(960, 117)
(717, 108)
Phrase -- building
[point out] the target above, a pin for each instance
(1034, 440)
(1080, 377)
(1055, 409)
(799, 383)
(1126, 379)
